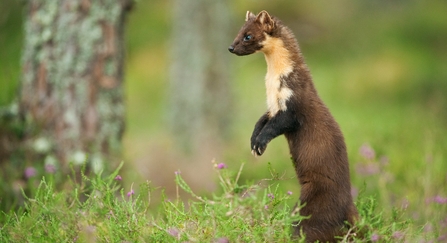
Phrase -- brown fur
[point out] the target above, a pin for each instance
(294, 109)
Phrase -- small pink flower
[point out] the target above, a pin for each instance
(130, 193)
(30, 172)
(174, 232)
(440, 200)
(367, 152)
(271, 196)
(289, 193)
(375, 237)
(266, 207)
(221, 166)
(177, 172)
(442, 238)
(367, 168)
(222, 240)
(437, 199)
(428, 227)
(398, 235)
(118, 178)
(50, 168)
(443, 223)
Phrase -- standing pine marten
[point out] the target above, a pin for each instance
(294, 109)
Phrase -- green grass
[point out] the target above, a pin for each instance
(240, 212)
(380, 69)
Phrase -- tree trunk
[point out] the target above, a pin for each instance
(199, 88)
(72, 88)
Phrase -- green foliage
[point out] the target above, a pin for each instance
(378, 65)
(373, 224)
(241, 213)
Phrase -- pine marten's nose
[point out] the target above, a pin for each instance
(231, 49)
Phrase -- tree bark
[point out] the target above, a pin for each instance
(72, 85)
(199, 88)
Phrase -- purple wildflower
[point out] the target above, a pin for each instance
(174, 232)
(367, 152)
(221, 166)
(375, 237)
(50, 168)
(437, 199)
(271, 196)
(368, 169)
(30, 172)
(177, 172)
(443, 223)
(428, 228)
(289, 193)
(222, 240)
(398, 235)
(118, 177)
(440, 200)
(266, 207)
(130, 193)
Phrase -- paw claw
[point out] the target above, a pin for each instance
(254, 153)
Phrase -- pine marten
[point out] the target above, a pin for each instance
(315, 141)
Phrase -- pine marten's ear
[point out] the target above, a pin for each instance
(265, 20)
(249, 15)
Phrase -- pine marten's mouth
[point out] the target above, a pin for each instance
(232, 50)
(241, 54)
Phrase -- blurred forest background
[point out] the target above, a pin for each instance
(380, 66)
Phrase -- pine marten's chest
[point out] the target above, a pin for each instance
(279, 66)
(277, 91)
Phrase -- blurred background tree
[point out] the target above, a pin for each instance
(72, 73)
(70, 103)
(199, 89)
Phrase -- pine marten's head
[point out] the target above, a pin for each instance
(253, 33)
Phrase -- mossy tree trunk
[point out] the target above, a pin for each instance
(72, 85)
(199, 84)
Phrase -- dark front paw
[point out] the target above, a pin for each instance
(254, 136)
(258, 146)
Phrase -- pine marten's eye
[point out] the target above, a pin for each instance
(247, 38)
